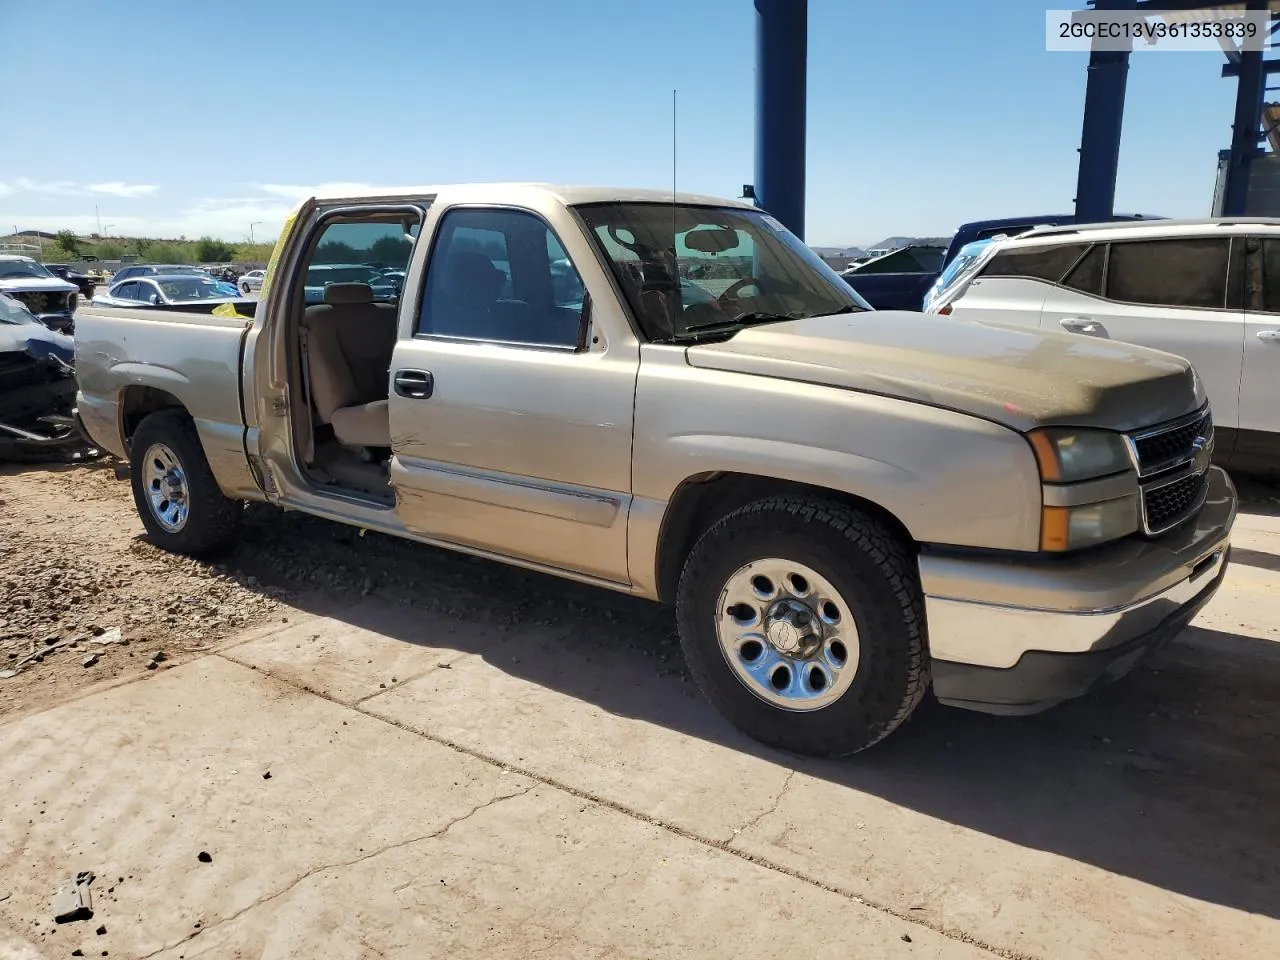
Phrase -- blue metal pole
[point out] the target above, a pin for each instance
(782, 50)
(1100, 132)
(1250, 80)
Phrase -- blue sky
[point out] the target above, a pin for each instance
(203, 118)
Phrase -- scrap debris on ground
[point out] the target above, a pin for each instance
(78, 578)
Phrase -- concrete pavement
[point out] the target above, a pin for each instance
(439, 789)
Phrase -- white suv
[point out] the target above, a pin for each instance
(1207, 290)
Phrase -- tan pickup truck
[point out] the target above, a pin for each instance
(674, 397)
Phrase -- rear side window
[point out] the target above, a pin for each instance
(1169, 273)
(1271, 276)
(1035, 263)
(127, 291)
(1086, 276)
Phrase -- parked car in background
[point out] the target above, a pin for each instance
(844, 506)
(86, 284)
(321, 275)
(166, 290)
(251, 282)
(897, 280)
(1015, 226)
(50, 299)
(1207, 290)
(965, 263)
(155, 269)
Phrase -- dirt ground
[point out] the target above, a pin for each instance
(1138, 822)
(75, 568)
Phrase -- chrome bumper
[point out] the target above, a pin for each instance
(990, 612)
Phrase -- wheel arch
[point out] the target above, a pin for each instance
(137, 402)
(703, 499)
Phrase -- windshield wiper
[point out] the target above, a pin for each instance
(746, 320)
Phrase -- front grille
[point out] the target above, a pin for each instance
(39, 303)
(1166, 447)
(1168, 505)
(1173, 463)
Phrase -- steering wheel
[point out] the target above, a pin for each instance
(633, 244)
(737, 285)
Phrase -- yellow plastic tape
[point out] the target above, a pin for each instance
(275, 254)
(227, 310)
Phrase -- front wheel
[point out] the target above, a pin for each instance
(802, 621)
(177, 497)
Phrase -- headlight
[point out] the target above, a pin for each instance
(1069, 455)
(1079, 513)
(1071, 528)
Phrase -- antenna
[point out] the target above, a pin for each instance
(674, 141)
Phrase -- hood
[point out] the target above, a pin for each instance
(1011, 375)
(36, 340)
(37, 285)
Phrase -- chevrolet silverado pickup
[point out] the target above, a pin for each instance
(847, 508)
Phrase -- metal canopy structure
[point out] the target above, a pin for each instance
(782, 62)
(1104, 109)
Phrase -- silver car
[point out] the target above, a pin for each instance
(251, 282)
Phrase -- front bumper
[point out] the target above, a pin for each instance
(1018, 635)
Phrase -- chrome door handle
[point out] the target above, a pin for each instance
(414, 384)
(1269, 336)
(1080, 325)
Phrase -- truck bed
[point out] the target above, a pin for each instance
(195, 357)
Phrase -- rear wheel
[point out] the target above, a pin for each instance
(802, 621)
(177, 497)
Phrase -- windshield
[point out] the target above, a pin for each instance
(687, 268)
(967, 256)
(9, 269)
(192, 288)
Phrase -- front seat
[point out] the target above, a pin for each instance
(348, 341)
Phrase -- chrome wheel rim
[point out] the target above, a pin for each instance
(787, 634)
(167, 490)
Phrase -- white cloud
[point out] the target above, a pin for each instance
(130, 190)
(57, 188)
(5, 189)
(226, 219)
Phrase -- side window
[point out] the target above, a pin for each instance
(501, 275)
(1035, 263)
(1270, 276)
(1169, 273)
(146, 290)
(357, 251)
(1086, 276)
(127, 291)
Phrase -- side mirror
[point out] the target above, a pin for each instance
(155, 299)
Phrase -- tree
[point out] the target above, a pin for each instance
(209, 250)
(392, 251)
(254, 252)
(335, 251)
(69, 242)
(168, 252)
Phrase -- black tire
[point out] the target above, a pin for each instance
(872, 570)
(213, 520)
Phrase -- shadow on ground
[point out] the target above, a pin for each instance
(1170, 776)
